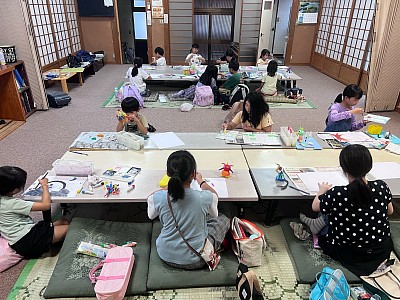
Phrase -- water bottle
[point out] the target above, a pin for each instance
(116, 93)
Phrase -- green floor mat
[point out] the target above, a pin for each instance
(307, 260)
(162, 276)
(70, 275)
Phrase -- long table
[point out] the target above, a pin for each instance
(262, 165)
(153, 163)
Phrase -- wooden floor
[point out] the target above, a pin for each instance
(9, 127)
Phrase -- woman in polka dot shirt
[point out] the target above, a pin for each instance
(358, 226)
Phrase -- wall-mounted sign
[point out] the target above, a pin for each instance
(156, 3)
(157, 12)
(308, 12)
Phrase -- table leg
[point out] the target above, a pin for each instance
(294, 83)
(272, 205)
(64, 86)
(80, 78)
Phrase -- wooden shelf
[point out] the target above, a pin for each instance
(15, 104)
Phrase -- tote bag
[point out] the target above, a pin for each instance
(331, 285)
(385, 281)
(248, 242)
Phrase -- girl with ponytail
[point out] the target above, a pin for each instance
(137, 75)
(196, 213)
(342, 113)
(358, 231)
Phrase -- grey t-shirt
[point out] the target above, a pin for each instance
(15, 221)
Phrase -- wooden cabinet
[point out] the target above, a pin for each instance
(16, 101)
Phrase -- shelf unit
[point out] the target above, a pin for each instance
(16, 102)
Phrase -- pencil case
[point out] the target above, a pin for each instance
(73, 167)
(130, 140)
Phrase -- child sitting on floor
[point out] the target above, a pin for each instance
(269, 81)
(265, 57)
(231, 82)
(342, 112)
(137, 75)
(28, 239)
(159, 59)
(134, 121)
(209, 77)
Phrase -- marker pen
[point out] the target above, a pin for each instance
(87, 192)
(131, 188)
(98, 184)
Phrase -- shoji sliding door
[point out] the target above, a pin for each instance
(56, 30)
(342, 42)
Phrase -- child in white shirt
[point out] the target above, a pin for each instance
(137, 75)
(159, 59)
(193, 58)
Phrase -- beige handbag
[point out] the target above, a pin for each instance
(385, 281)
(248, 242)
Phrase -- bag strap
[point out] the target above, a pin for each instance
(382, 289)
(177, 227)
(92, 276)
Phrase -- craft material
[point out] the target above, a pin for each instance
(218, 184)
(279, 176)
(76, 152)
(385, 170)
(288, 137)
(374, 129)
(392, 147)
(164, 181)
(295, 188)
(111, 189)
(130, 140)
(98, 141)
(92, 250)
(122, 173)
(166, 140)
(131, 188)
(44, 176)
(73, 167)
(87, 192)
(376, 118)
(226, 170)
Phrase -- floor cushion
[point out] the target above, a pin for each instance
(308, 261)
(162, 276)
(395, 232)
(8, 256)
(70, 276)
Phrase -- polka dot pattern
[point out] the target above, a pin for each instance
(350, 224)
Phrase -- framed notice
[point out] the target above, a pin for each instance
(308, 12)
(157, 12)
(156, 3)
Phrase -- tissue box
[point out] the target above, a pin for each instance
(73, 167)
(130, 140)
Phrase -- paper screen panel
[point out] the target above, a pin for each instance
(338, 29)
(60, 28)
(43, 32)
(359, 33)
(324, 26)
(73, 25)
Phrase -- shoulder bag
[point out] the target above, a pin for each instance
(331, 284)
(207, 253)
(385, 281)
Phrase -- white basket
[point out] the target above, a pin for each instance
(288, 138)
(130, 140)
(73, 167)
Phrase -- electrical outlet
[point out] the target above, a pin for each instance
(113, 55)
(291, 57)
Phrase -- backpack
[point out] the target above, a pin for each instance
(114, 277)
(247, 284)
(130, 90)
(72, 61)
(238, 93)
(83, 55)
(203, 96)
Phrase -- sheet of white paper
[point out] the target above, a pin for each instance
(162, 98)
(59, 186)
(324, 136)
(108, 3)
(218, 184)
(376, 118)
(352, 136)
(385, 170)
(312, 179)
(229, 135)
(166, 140)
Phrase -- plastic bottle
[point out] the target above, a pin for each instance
(2, 59)
(116, 93)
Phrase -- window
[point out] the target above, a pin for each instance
(55, 28)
